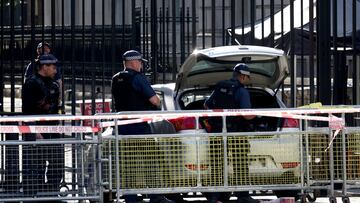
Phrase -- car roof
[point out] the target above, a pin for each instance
(238, 50)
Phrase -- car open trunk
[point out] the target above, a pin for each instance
(194, 100)
(204, 68)
(261, 99)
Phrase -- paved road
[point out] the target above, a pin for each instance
(270, 198)
(267, 199)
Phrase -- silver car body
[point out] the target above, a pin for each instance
(199, 73)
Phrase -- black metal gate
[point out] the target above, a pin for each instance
(89, 37)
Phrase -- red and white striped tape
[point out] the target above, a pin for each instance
(146, 116)
(335, 122)
(106, 124)
(47, 129)
(174, 114)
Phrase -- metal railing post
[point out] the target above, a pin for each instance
(308, 155)
(82, 162)
(302, 157)
(98, 160)
(224, 130)
(117, 164)
(344, 168)
(331, 165)
(198, 153)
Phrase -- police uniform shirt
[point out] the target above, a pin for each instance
(33, 96)
(241, 96)
(141, 87)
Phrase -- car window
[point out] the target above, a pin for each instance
(194, 99)
(264, 65)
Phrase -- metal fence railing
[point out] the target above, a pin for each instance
(80, 162)
(305, 159)
(89, 38)
(47, 163)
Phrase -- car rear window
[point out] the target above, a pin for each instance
(264, 65)
(192, 100)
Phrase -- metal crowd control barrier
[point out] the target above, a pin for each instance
(91, 160)
(48, 162)
(322, 151)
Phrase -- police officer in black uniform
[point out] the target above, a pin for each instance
(40, 95)
(44, 48)
(132, 92)
(231, 94)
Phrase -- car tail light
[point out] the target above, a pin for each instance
(195, 167)
(290, 123)
(290, 164)
(184, 123)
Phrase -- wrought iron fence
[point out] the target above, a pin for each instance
(90, 36)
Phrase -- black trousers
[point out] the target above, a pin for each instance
(43, 165)
(238, 148)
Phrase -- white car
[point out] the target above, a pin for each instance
(272, 158)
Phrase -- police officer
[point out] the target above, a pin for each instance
(40, 91)
(40, 95)
(132, 92)
(44, 48)
(231, 94)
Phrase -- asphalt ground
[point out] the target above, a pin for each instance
(269, 199)
(264, 199)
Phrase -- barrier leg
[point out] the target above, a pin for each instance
(303, 198)
(345, 199)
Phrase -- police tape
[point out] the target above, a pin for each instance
(145, 116)
(334, 134)
(106, 124)
(334, 122)
(47, 129)
(193, 113)
(125, 118)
